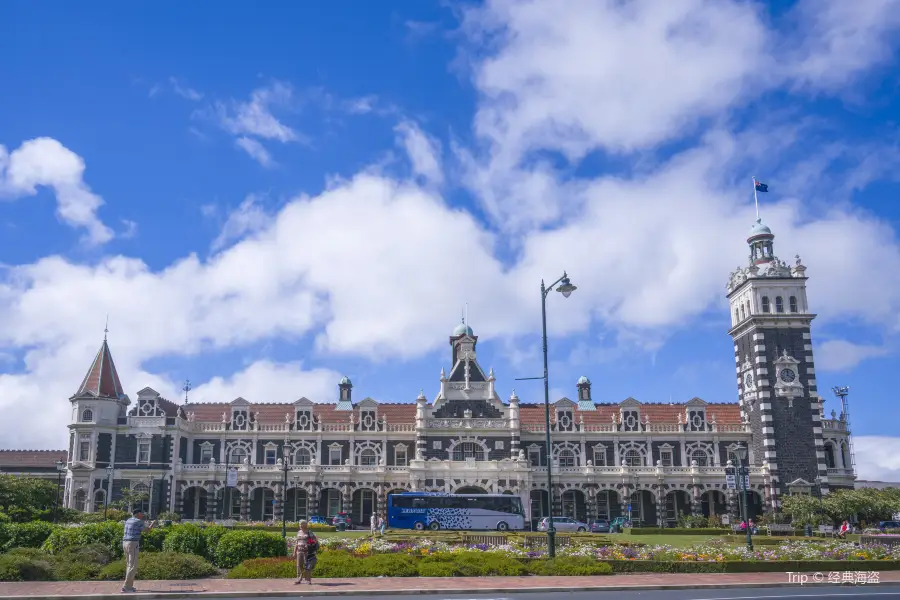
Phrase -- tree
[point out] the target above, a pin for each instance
(26, 499)
(803, 508)
(130, 498)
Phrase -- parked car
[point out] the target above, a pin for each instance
(318, 520)
(889, 525)
(562, 524)
(342, 518)
(600, 526)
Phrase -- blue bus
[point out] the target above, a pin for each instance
(430, 510)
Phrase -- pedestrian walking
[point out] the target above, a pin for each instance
(373, 521)
(305, 549)
(382, 524)
(131, 545)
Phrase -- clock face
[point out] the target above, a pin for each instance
(787, 376)
(748, 380)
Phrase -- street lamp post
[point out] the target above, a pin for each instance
(109, 474)
(284, 470)
(635, 494)
(565, 288)
(60, 467)
(821, 502)
(743, 472)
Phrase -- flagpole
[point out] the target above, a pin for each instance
(755, 197)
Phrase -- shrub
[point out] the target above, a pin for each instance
(437, 569)
(186, 539)
(338, 564)
(152, 540)
(162, 565)
(677, 531)
(16, 567)
(114, 514)
(26, 535)
(265, 568)
(4, 518)
(474, 563)
(388, 565)
(572, 566)
(237, 546)
(213, 534)
(108, 534)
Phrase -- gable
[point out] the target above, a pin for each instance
(367, 403)
(564, 403)
(303, 402)
(629, 403)
(240, 402)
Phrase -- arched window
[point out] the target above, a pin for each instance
(80, 500)
(700, 457)
(765, 304)
(87, 415)
(633, 458)
(737, 316)
(303, 457)
(368, 458)
(779, 304)
(743, 314)
(237, 456)
(793, 303)
(468, 450)
(566, 458)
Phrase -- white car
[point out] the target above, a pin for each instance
(563, 524)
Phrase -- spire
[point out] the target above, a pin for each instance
(102, 379)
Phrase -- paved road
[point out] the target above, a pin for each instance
(874, 592)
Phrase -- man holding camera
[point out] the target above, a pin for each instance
(131, 544)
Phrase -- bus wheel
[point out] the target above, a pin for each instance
(502, 526)
(434, 526)
(419, 526)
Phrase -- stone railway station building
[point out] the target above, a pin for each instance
(661, 459)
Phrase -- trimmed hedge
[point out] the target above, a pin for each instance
(458, 564)
(108, 534)
(237, 546)
(749, 566)
(24, 535)
(162, 565)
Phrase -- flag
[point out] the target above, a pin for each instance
(761, 187)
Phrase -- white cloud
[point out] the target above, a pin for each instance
(249, 218)
(44, 162)
(255, 117)
(877, 457)
(841, 355)
(424, 152)
(185, 91)
(265, 381)
(256, 151)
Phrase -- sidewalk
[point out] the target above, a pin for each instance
(273, 588)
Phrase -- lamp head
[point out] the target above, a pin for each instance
(740, 453)
(565, 286)
(60, 465)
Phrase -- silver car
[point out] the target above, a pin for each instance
(563, 524)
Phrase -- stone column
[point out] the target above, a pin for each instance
(211, 502)
(590, 498)
(696, 501)
(245, 501)
(312, 494)
(661, 505)
(278, 508)
(179, 498)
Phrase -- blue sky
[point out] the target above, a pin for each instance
(264, 200)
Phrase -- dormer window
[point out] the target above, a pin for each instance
(565, 420)
(696, 420)
(368, 421)
(793, 303)
(87, 416)
(335, 454)
(631, 420)
(599, 455)
(779, 304)
(304, 421)
(765, 304)
(240, 420)
(665, 455)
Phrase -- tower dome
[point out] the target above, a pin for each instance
(463, 329)
(759, 228)
(583, 380)
(345, 381)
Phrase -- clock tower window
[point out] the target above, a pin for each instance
(793, 304)
(765, 304)
(779, 304)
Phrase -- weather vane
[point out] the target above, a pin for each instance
(186, 388)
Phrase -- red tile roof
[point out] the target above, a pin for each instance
(102, 379)
(31, 458)
(406, 413)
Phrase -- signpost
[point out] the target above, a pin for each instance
(231, 478)
(730, 479)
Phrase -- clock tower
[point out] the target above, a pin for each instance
(770, 326)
